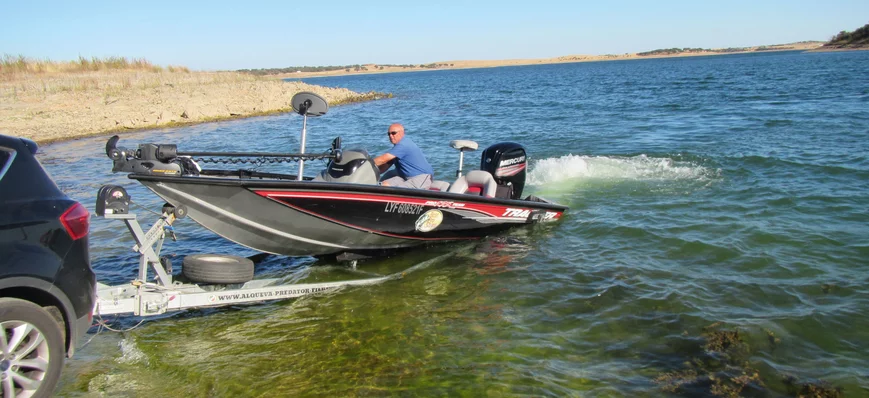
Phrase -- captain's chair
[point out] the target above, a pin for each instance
(476, 182)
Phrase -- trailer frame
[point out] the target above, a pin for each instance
(161, 294)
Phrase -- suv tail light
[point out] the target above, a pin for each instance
(77, 221)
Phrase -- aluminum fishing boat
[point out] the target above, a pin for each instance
(342, 210)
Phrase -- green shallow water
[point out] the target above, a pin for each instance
(716, 244)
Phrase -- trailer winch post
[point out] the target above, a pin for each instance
(145, 241)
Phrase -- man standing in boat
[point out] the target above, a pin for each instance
(412, 168)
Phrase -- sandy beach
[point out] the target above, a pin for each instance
(55, 106)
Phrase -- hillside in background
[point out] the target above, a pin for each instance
(310, 71)
(856, 39)
(730, 50)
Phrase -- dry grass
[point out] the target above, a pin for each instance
(111, 81)
(11, 65)
(28, 77)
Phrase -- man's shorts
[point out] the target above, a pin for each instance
(422, 181)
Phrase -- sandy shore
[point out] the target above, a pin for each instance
(54, 107)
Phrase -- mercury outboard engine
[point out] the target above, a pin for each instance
(355, 166)
(506, 162)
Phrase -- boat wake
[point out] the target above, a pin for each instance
(640, 168)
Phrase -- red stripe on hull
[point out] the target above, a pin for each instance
(487, 209)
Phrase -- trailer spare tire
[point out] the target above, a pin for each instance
(217, 268)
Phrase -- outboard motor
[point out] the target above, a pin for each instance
(506, 162)
(355, 166)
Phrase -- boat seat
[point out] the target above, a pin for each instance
(437, 185)
(476, 182)
(463, 145)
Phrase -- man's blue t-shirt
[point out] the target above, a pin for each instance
(409, 160)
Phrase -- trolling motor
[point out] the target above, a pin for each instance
(166, 160)
(150, 159)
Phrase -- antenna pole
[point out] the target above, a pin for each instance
(302, 149)
(303, 109)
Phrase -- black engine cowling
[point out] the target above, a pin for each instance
(506, 161)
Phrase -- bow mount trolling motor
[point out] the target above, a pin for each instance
(166, 160)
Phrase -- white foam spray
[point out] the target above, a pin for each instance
(613, 169)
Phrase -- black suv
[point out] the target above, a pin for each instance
(46, 281)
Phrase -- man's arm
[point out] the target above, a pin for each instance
(383, 162)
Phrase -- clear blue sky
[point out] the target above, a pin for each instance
(219, 35)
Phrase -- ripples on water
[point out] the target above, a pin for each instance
(716, 242)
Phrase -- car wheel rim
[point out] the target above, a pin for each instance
(24, 358)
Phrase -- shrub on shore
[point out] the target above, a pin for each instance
(858, 38)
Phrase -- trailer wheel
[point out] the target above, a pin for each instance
(33, 349)
(217, 268)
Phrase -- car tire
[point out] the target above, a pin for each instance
(22, 323)
(217, 268)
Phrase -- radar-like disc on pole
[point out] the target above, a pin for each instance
(309, 104)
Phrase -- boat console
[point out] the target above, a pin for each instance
(355, 166)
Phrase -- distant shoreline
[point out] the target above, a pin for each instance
(370, 69)
(836, 50)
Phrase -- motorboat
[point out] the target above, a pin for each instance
(342, 210)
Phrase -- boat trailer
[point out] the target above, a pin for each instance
(145, 296)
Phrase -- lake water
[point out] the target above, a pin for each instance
(716, 243)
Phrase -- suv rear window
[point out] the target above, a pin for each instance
(5, 160)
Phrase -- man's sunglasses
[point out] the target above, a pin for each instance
(392, 133)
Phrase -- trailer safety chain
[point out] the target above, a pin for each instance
(102, 324)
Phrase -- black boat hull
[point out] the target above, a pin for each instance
(318, 218)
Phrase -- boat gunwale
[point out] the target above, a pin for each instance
(343, 187)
